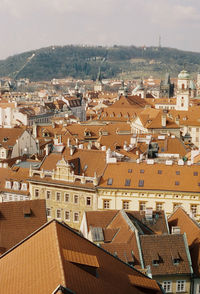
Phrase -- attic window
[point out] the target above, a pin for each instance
(127, 182)
(155, 262)
(27, 211)
(177, 183)
(178, 172)
(176, 261)
(142, 171)
(129, 171)
(195, 173)
(159, 172)
(110, 181)
(141, 183)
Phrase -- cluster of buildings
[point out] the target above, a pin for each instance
(120, 167)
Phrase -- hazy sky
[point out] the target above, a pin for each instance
(32, 24)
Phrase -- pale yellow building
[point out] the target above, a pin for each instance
(136, 186)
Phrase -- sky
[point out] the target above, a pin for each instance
(32, 24)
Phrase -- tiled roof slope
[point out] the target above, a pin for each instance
(8, 137)
(56, 255)
(157, 225)
(19, 219)
(100, 218)
(164, 249)
(95, 160)
(119, 231)
(170, 178)
(192, 229)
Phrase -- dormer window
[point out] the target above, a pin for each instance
(155, 262)
(15, 185)
(109, 181)
(24, 187)
(176, 261)
(8, 185)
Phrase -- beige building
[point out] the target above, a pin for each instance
(68, 183)
(137, 186)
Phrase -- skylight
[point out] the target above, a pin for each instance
(127, 182)
(141, 183)
(110, 181)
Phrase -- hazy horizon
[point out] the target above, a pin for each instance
(31, 25)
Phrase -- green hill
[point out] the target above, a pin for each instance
(84, 62)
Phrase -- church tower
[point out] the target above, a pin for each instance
(98, 87)
(183, 91)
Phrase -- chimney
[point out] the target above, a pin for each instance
(149, 213)
(177, 120)
(47, 149)
(163, 120)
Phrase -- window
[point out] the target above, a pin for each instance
(106, 204)
(67, 215)
(197, 139)
(48, 212)
(88, 201)
(58, 213)
(180, 286)
(159, 172)
(176, 261)
(66, 197)
(76, 199)
(141, 183)
(8, 185)
(159, 206)
(36, 193)
(195, 173)
(16, 185)
(127, 182)
(129, 171)
(125, 204)
(177, 183)
(167, 286)
(142, 171)
(193, 209)
(178, 172)
(58, 196)
(142, 205)
(76, 217)
(48, 194)
(197, 129)
(24, 187)
(110, 181)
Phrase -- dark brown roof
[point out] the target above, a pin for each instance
(19, 219)
(164, 249)
(191, 228)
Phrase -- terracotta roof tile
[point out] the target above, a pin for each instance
(42, 267)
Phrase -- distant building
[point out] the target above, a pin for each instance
(166, 87)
